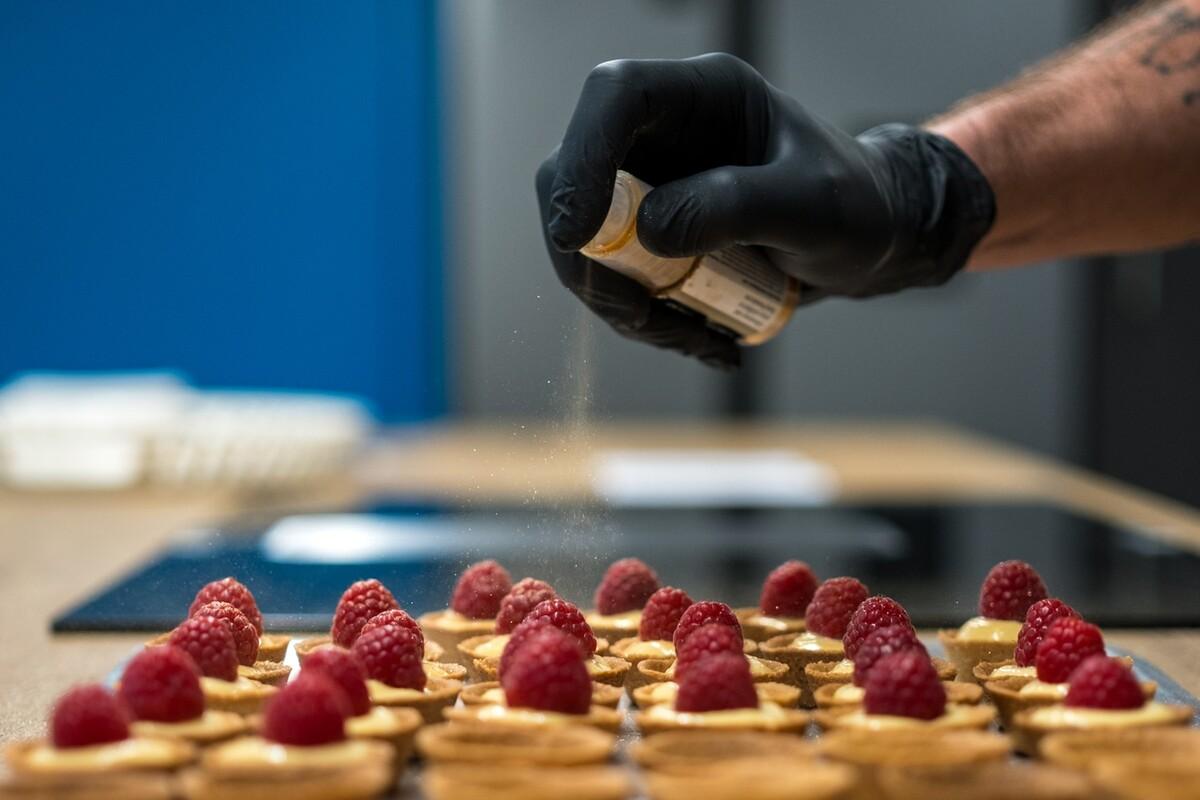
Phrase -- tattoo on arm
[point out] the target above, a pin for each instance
(1174, 48)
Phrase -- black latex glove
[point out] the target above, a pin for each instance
(735, 160)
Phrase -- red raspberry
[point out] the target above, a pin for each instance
(905, 684)
(480, 589)
(1102, 682)
(1009, 589)
(717, 683)
(626, 586)
(393, 655)
(395, 616)
(88, 715)
(309, 711)
(516, 640)
(245, 638)
(704, 613)
(361, 601)
(548, 673)
(871, 614)
(210, 643)
(661, 614)
(832, 606)
(788, 590)
(568, 619)
(703, 643)
(344, 671)
(1038, 619)
(883, 642)
(162, 684)
(229, 590)
(1067, 643)
(526, 594)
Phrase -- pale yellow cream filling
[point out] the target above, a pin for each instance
(1075, 717)
(379, 721)
(781, 624)
(215, 687)
(492, 648)
(451, 620)
(206, 723)
(1041, 690)
(134, 753)
(812, 643)
(982, 629)
(1013, 671)
(524, 716)
(380, 692)
(879, 722)
(849, 693)
(655, 648)
(757, 668)
(766, 714)
(626, 621)
(253, 751)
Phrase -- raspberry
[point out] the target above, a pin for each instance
(1009, 589)
(548, 673)
(245, 638)
(309, 711)
(516, 640)
(717, 683)
(343, 670)
(88, 715)
(905, 684)
(1067, 643)
(568, 619)
(480, 589)
(162, 684)
(661, 614)
(1102, 682)
(210, 643)
(361, 601)
(832, 606)
(704, 613)
(229, 590)
(703, 643)
(393, 655)
(788, 590)
(520, 600)
(883, 642)
(395, 616)
(871, 614)
(626, 586)
(1038, 619)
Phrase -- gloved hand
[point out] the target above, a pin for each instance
(735, 160)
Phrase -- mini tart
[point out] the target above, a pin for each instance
(768, 777)
(242, 696)
(209, 728)
(605, 719)
(997, 670)
(1002, 779)
(614, 627)
(272, 673)
(488, 649)
(758, 627)
(1085, 750)
(798, 650)
(396, 727)
(271, 646)
(635, 650)
(481, 743)
(490, 693)
(437, 696)
(1153, 780)
(526, 782)
(979, 639)
(449, 628)
(445, 670)
(657, 670)
(609, 670)
(1028, 727)
(1011, 696)
(121, 786)
(136, 754)
(824, 673)
(847, 695)
(767, 717)
(664, 693)
(869, 751)
(252, 768)
(685, 751)
(955, 718)
(433, 651)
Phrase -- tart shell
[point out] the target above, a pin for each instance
(1027, 734)
(485, 744)
(602, 694)
(957, 693)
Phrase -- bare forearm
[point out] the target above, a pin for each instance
(1097, 150)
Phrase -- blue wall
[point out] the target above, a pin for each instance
(247, 191)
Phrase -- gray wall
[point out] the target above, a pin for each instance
(995, 352)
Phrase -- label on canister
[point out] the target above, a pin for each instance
(739, 289)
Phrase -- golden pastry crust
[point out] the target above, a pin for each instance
(1006, 696)
(758, 627)
(1027, 731)
(133, 786)
(824, 673)
(984, 671)
(517, 782)
(781, 649)
(1149, 780)
(659, 670)
(477, 694)
(36, 759)
(913, 747)
(273, 646)
(685, 751)
(965, 654)
(445, 670)
(966, 694)
(303, 647)
(1083, 750)
(448, 630)
(766, 718)
(600, 717)
(957, 718)
(270, 673)
(482, 743)
(242, 696)
(212, 727)
(767, 777)
(653, 694)
(221, 777)
(1002, 779)
(609, 670)
(439, 695)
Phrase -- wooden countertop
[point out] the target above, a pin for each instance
(56, 548)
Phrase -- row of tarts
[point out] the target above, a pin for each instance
(512, 691)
